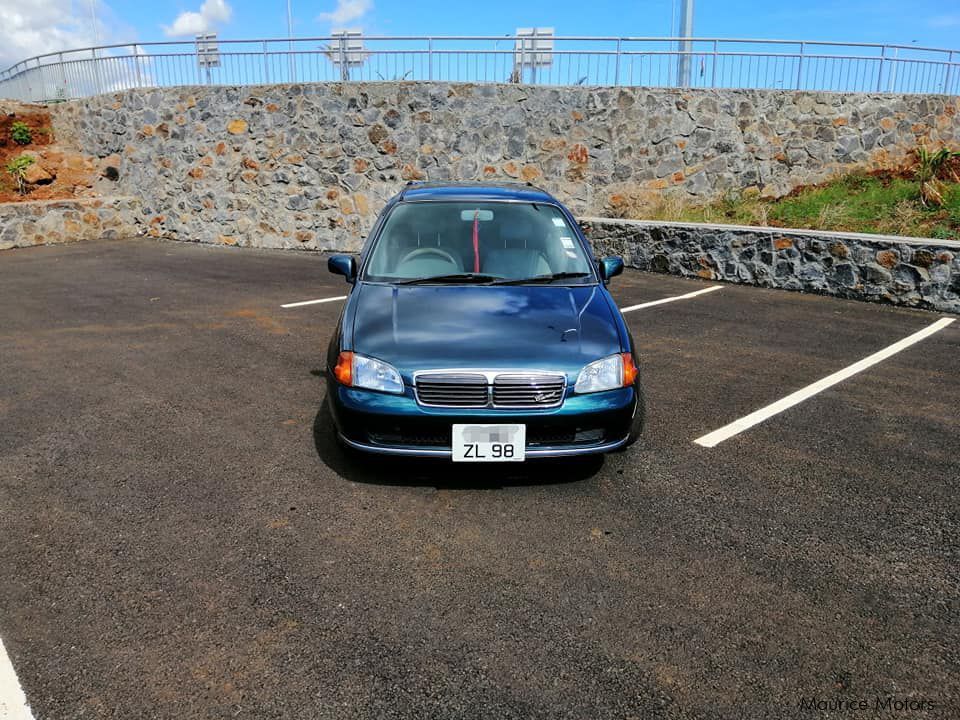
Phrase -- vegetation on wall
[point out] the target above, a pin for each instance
(931, 166)
(17, 168)
(922, 200)
(21, 134)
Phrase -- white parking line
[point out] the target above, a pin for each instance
(738, 426)
(689, 295)
(314, 302)
(13, 702)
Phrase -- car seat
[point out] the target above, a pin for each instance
(517, 253)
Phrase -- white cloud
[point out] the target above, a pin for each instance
(943, 21)
(36, 27)
(346, 11)
(193, 23)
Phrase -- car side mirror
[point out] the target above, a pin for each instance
(345, 265)
(611, 267)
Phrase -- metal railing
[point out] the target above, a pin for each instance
(593, 61)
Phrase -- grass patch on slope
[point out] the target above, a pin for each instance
(884, 203)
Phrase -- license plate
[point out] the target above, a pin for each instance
(489, 443)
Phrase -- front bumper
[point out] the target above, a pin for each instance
(397, 425)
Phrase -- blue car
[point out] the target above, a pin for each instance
(479, 328)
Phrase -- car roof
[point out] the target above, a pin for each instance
(475, 191)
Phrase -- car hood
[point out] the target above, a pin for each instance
(487, 327)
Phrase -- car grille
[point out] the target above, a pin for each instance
(453, 390)
(527, 390)
(504, 390)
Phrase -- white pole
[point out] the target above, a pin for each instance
(686, 31)
(93, 22)
(96, 42)
(293, 73)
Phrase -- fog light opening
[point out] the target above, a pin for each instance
(594, 435)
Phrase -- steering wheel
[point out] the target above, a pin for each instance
(420, 252)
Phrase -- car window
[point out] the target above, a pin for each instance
(505, 240)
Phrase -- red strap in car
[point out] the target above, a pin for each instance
(476, 241)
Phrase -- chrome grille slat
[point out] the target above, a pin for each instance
(508, 389)
(453, 390)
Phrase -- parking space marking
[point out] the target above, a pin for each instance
(738, 426)
(13, 701)
(689, 295)
(314, 302)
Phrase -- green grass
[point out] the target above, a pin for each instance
(882, 203)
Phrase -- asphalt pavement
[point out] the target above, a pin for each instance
(181, 537)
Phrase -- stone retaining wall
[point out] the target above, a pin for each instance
(901, 271)
(45, 222)
(309, 166)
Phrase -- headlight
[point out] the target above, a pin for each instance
(609, 373)
(355, 370)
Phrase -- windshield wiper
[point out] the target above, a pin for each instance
(454, 278)
(542, 278)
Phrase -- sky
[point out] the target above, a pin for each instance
(32, 27)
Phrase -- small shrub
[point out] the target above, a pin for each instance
(20, 133)
(950, 171)
(930, 165)
(729, 205)
(17, 167)
(855, 181)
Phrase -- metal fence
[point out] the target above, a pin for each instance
(610, 61)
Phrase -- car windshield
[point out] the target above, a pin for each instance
(477, 243)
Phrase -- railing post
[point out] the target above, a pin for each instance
(292, 63)
(43, 83)
(894, 69)
(803, 47)
(713, 74)
(883, 59)
(196, 52)
(266, 66)
(63, 76)
(96, 70)
(947, 77)
(136, 65)
(616, 67)
(533, 58)
(523, 59)
(429, 58)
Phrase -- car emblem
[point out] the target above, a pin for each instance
(539, 397)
